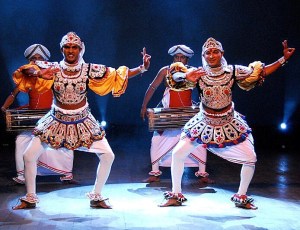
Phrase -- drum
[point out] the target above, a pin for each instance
(23, 119)
(170, 118)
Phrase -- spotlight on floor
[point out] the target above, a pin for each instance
(103, 123)
(283, 126)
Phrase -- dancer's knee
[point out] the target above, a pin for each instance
(29, 157)
(251, 157)
(33, 151)
(182, 149)
(178, 155)
(107, 157)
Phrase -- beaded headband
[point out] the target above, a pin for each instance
(72, 38)
(212, 43)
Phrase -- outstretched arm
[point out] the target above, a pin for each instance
(142, 68)
(287, 53)
(151, 89)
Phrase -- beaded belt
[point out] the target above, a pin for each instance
(70, 117)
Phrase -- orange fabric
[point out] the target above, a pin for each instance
(180, 99)
(115, 81)
(25, 83)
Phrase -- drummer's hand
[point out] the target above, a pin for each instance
(3, 109)
(143, 113)
(48, 73)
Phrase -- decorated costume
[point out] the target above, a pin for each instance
(223, 131)
(73, 128)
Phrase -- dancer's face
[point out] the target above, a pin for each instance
(213, 57)
(71, 53)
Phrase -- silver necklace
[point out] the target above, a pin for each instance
(70, 67)
(214, 71)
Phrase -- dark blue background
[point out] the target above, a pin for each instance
(115, 31)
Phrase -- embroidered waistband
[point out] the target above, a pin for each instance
(228, 112)
(67, 111)
(73, 117)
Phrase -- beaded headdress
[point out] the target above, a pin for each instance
(72, 38)
(37, 49)
(212, 43)
(181, 49)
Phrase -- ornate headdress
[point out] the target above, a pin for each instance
(212, 43)
(72, 38)
(181, 49)
(37, 49)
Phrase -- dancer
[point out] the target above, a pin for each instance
(218, 126)
(175, 95)
(70, 124)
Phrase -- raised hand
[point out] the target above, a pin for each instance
(287, 52)
(146, 59)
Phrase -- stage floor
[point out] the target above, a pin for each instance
(275, 188)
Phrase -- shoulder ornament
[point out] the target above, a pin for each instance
(242, 71)
(97, 70)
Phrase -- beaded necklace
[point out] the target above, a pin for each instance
(70, 67)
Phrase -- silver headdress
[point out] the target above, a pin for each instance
(37, 49)
(209, 44)
(212, 43)
(72, 38)
(181, 49)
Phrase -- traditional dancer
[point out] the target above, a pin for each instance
(70, 124)
(218, 126)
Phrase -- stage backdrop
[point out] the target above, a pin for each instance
(115, 32)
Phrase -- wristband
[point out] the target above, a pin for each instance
(142, 68)
(282, 61)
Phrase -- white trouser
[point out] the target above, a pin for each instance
(50, 162)
(101, 148)
(242, 153)
(161, 149)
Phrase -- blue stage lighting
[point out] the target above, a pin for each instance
(283, 126)
(103, 123)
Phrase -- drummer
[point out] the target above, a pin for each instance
(175, 95)
(51, 162)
